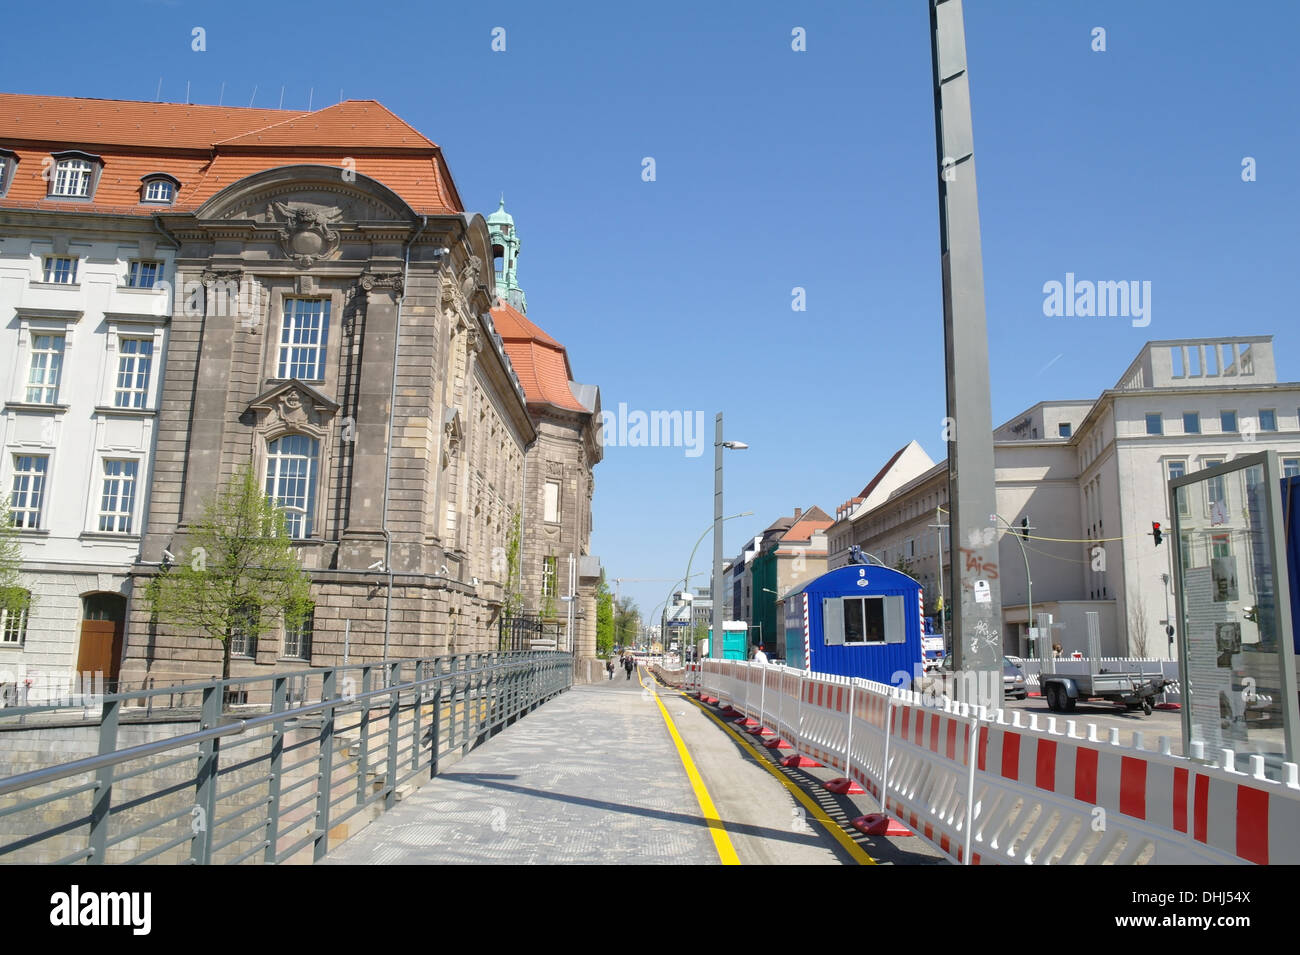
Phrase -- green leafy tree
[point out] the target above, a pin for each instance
(627, 622)
(241, 574)
(604, 619)
(14, 597)
(513, 601)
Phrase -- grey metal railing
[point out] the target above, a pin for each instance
(279, 768)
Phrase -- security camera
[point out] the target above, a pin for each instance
(377, 565)
(168, 557)
(475, 581)
(443, 570)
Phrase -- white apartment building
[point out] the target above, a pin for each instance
(85, 301)
(1090, 479)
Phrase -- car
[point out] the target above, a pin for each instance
(1013, 680)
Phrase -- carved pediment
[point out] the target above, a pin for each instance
(293, 406)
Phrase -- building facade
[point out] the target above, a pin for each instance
(1089, 479)
(190, 291)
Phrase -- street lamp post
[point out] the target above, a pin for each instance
(1029, 583)
(716, 588)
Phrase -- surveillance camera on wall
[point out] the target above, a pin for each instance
(377, 565)
(168, 556)
(443, 570)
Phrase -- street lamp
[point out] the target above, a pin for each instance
(716, 588)
(1029, 584)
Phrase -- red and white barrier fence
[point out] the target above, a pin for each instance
(1000, 787)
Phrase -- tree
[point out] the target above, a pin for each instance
(604, 619)
(627, 622)
(241, 575)
(1137, 627)
(14, 597)
(513, 601)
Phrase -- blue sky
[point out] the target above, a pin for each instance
(778, 169)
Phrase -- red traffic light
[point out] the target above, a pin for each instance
(1156, 532)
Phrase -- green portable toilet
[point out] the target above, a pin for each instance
(734, 647)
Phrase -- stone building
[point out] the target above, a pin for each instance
(555, 557)
(318, 309)
(1089, 478)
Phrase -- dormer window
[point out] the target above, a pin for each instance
(159, 188)
(8, 160)
(74, 175)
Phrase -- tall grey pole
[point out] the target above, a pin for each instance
(716, 590)
(977, 600)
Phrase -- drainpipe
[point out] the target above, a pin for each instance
(388, 456)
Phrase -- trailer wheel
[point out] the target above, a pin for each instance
(1067, 703)
(1146, 707)
(1053, 698)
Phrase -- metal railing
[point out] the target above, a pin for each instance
(279, 768)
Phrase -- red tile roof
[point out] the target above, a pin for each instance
(209, 147)
(541, 362)
(803, 530)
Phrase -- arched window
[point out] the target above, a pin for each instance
(291, 473)
(74, 175)
(159, 189)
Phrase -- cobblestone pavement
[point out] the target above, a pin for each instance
(590, 777)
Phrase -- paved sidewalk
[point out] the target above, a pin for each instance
(590, 777)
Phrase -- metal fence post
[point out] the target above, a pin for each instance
(394, 676)
(205, 793)
(363, 764)
(103, 801)
(848, 744)
(279, 702)
(417, 706)
(436, 748)
(325, 767)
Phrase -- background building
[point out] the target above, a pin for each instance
(1089, 478)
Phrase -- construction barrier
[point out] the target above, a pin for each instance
(1001, 787)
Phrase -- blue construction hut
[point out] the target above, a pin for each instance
(861, 620)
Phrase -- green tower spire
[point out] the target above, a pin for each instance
(505, 254)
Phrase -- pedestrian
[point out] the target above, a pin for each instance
(609, 669)
(1056, 651)
(759, 655)
(628, 664)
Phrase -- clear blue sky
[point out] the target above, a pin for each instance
(778, 169)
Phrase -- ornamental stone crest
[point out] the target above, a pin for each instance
(306, 236)
(374, 280)
(291, 409)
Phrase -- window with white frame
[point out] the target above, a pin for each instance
(243, 635)
(45, 369)
(159, 190)
(134, 366)
(551, 508)
(1291, 467)
(143, 274)
(27, 494)
(1176, 470)
(1191, 422)
(304, 335)
(7, 163)
(548, 576)
(291, 481)
(1268, 419)
(297, 640)
(1155, 423)
(13, 623)
(117, 501)
(72, 178)
(1228, 422)
(61, 269)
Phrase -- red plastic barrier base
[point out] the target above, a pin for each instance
(1168, 706)
(760, 731)
(843, 786)
(777, 743)
(746, 722)
(708, 700)
(878, 824)
(729, 711)
(799, 761)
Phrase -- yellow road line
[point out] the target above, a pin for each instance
(829, 824)
(721, 841)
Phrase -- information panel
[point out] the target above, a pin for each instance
(1237, 662)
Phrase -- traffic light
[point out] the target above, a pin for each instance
(1024, 528)
(1156, 532)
